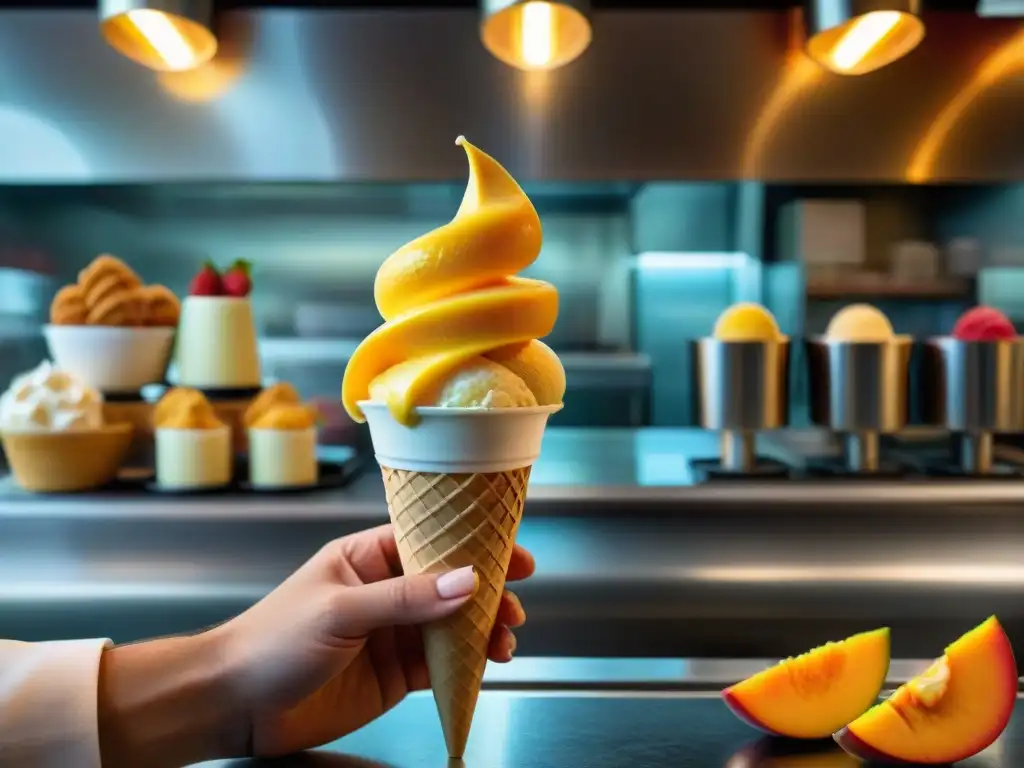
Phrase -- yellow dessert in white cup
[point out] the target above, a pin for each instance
(282, 440)
(193, 446)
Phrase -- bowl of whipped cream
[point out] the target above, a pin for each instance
(54, 434)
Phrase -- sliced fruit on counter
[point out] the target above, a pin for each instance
(816, 693)
(957, 708)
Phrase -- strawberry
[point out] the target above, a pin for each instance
(238, 279)
(207, 282)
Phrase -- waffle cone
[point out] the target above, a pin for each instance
(444, 521)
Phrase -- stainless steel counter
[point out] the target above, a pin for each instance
(632, 560)
(605, 730)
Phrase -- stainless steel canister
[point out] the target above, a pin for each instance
(742, 388)
(860, 390)
(976, 390)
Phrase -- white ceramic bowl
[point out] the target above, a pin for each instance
(111, 359)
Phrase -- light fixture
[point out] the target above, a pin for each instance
(165, 35)
(535, 34)
(854, 37)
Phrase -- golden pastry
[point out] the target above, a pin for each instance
(106, 266)
(160, 306)
(287, 416)
(121, 306)
(68, 307)
(281, 393)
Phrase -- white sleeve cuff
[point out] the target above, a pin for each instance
(48, 703)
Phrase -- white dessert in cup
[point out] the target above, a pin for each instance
(49, 399)
(282, 458)
(193, 447)
(282, 439)
(51, 425)
(217, 346)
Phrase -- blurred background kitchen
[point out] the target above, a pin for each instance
(685, 161)
(693, 155)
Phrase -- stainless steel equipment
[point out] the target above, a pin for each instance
(976, 390)
(860, 390)
(632, 558)
(610, 728)
(326, 95)
(743, 388)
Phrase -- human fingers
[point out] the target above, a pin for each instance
(371, 554)
(510, 611)
(502, 645)
(521, 565)
(359, 610)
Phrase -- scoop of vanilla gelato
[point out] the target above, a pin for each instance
(48, 399)
(482, 383)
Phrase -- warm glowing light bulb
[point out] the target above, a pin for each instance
(160, 33)
(863, 36)
(537, 34)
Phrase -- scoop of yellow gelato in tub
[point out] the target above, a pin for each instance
(746, 321)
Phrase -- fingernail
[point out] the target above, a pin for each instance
(457, 583)
(512, 644)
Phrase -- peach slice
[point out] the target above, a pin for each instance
(813, 695)
(957, 708)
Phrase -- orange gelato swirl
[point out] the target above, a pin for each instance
(452, 295)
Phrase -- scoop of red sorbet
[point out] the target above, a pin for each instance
(983, 324)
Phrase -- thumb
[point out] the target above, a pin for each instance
(403, 600)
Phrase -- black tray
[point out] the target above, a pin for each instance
(332, 474)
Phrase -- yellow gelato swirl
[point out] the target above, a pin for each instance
(451, 295)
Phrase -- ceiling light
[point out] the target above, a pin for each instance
(854, 37)
(165, 35)
(535, 34)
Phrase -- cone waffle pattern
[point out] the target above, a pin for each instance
(447, 521)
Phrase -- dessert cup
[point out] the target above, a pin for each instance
(217, 347)
(139, 414)
(109, 358)
(192, 459)
(61, 462)
(456, 487)
(282, 458)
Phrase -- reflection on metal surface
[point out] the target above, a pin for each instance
(1005, 61)
(603, 729)
(778, 752)
(164, 35)
(324, 96)
(798, 75)
(212, 79)
(535, 34)
(854, 37)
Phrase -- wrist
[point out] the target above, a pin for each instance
(168, 702)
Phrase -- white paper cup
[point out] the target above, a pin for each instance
(282, 458)
(193, 458)
(458, 439)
